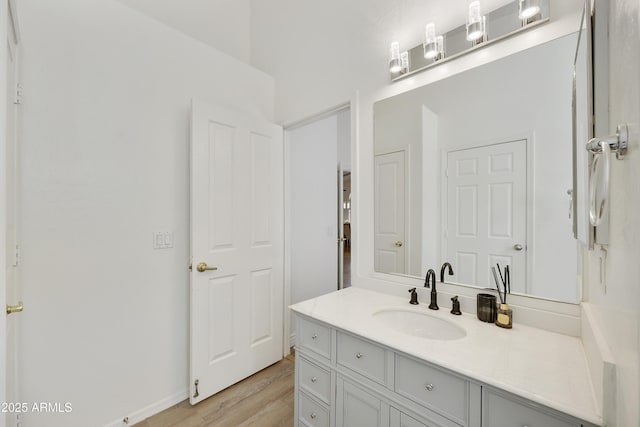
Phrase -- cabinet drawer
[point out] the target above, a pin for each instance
(431, 387)
(311, 413)
(363, 357)
(314, 380)
(314, 336)
(500, 411)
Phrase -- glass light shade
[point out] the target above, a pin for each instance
(476, 30)
(434, 49)
(475, 22)
(528, 8)
(394, 64)
(404, 61)
(430, 41)
(474, 12)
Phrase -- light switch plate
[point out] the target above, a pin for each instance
(162, 239)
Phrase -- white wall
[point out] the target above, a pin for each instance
(225, 24)
(105, 163)
(319, 52)
(344, 138)
(313, 209)
(617, 307)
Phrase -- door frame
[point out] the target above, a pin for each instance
(8, 12)
(529, 139)
(287, 127)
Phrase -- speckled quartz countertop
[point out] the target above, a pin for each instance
(544, 367)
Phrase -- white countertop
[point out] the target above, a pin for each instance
(544, 367)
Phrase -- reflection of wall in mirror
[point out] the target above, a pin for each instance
(523, 96)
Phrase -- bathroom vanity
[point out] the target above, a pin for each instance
(370, 359)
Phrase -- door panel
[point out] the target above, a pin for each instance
(236, 220)
(486, 212)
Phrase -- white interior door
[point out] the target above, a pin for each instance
(389, 212)
(10, 289)
(486, 213)
(237, 228)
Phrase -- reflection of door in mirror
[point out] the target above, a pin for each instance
(390, 213)
(479, 234)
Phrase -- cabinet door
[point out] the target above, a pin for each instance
(400, 419)
(357, 408)
(502, 411)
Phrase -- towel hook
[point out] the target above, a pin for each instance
(618, 143)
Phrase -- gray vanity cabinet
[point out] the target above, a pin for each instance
(344, 380)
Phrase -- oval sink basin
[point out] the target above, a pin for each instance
(420, 325)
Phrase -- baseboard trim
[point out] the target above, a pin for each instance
(146, 412)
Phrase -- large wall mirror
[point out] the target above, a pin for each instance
(476, 169)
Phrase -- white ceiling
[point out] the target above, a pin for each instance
(234, 26)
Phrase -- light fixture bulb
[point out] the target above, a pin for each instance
(475, 23)
(430, 43)
(528, 8)
(404, 61)
(394, 64)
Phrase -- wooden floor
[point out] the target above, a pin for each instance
(262, 400)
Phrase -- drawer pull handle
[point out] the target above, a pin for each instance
(313, 415)
(314, 336)
(359, 355)
(314, 379)
(429, 387)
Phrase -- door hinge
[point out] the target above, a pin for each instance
(18, 94)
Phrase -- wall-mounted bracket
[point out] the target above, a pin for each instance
(618, 143)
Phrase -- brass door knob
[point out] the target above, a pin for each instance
(15, 308)
(398, 243)
(202, 267)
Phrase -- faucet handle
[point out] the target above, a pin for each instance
(455, 306)
(414, 296)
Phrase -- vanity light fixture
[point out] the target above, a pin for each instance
(513, 18)
(433, 45)
(476, 24)
(528, 9)
(395, 65)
